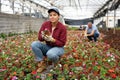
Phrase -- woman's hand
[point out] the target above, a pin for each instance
(48, 38)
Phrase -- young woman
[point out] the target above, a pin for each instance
(54, 34)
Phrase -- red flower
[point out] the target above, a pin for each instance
(113, 76)
(4, 67)
(0, 50)
(111, 70)
(74, 50)
(34, 72)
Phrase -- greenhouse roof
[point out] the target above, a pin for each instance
(76, 9)
(69, 9)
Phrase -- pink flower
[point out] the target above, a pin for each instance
(96, 63)
(37, 77)
(71, 73)
(108, 54)
(84, 65)
(14, 78)
(1, 70)
(30, 48)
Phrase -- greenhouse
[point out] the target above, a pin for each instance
(59, 40)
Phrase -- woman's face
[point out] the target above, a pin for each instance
(53, 17)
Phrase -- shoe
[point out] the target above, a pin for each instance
(37, 60)
(51, 66)
(41, 63)
(41, 66)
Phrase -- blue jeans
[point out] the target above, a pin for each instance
(40, 50)
(95, 36)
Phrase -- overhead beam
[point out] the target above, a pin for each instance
(115, 5)
(102, 8)
(37, 4)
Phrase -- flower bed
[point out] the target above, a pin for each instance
(112, 39)
(82, 60)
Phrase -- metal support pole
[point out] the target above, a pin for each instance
(107, 19)
(23, 8)
(0, 5)
(114, 21)
(107, 22)
(36, 14)
(30, 11)
(13, 7)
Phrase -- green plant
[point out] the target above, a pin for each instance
(103, 71)
(3, 35)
